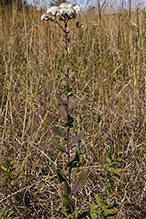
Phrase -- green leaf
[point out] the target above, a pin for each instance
(92, 207)
(67, 90)
(81, 181)
(108, 212)
(77, 158)
(63, 212)
(77, 138)
(3, 169)
(121, 160)
(116, 171)
(70, 122)
(93, 216)
(62, 112)
(8, 214)
(99, 202)
(61, 175)
(113, 163)
(115, 177)
(66, 188)
(67, 62)
(108, 160)
(58, 132)
(3, 183)
(61, 149)
(108, 154)
(72, 163)
(75, 103)
(61, 100)
(112, 204)
(68, 203)
(73, 167)
(93, 211)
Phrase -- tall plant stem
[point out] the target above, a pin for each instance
(67, 102)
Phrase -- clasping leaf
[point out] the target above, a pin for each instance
(61, 149)
(81, 181)
(77, 138)
(58, 132)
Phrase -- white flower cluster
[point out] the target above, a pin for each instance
(64, 10)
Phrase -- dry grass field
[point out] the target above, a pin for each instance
(108, 58)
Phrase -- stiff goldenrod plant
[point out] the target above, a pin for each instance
(64, 13)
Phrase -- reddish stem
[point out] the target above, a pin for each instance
(67, 102)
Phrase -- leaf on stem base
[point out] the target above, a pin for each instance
(61, 175)
(66, 188)
(77, 159)
(68, 203)
(81, 181)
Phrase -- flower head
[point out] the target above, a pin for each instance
(53, 10)
(78, 8)
(65, 5)
(70, 13)
(47, 17)
(64, 10)
(67, 10)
